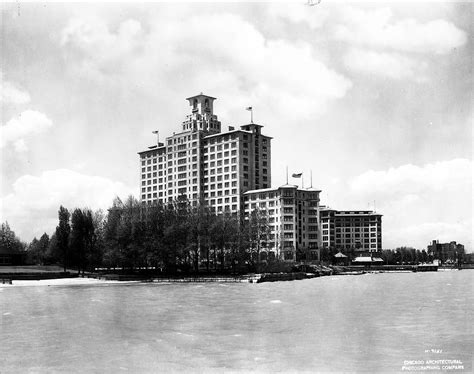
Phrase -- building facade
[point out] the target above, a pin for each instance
(294, 231)
(230, 171)
(346, 231)
(202, 164)
(446, 252)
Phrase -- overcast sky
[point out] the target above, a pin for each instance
(375, 99)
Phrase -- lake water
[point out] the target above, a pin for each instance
(365, 323)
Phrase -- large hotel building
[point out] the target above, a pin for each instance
(231, 171)
(203, 164)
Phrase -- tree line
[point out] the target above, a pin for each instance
(173, 237)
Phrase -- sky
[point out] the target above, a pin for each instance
(374, 100)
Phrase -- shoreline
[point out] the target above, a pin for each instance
(253, 278)
(52, 282)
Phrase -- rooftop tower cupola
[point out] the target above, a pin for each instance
(201, 103)
(202, 115)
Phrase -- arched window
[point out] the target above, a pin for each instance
(206, 103)
(195, 104)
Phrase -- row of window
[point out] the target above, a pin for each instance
(226, 200)
(219, 147)
(372, 240)
(182, 139)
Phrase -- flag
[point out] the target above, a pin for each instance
(248, 108)
(155, 132)
(294, 175)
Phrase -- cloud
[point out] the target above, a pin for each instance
(390, 65)
(93, 35)
(299, 12)
(9, 94)
(218, 53)
(405, 179)
(376, 29)
(28, 123)
(420, 203)
(31, 208)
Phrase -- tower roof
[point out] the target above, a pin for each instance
(200, 96)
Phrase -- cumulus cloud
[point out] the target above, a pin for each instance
(299, 12)
(421, 203)
(93, 34)
(28, 123)
(10, 94)
(376, 28)
(390, 65)
(31, 208)
(220, 53)
(443, 176)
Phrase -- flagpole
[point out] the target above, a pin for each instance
(249, 108)
(311, 177)
(302, 180)
(157, 136)
(287, 175)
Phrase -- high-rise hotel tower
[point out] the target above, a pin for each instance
(203, 164)
(231, 172)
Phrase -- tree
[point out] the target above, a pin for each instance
(53, 252)
(224, 231)
(97, 244)
(388, 257)
(37, 250)
(424, 256)
(32, 256)
(43, 247)
(155, 216)
(8, 240)
(112, 256)
(82, 237)
(62, 234)
(258, 231)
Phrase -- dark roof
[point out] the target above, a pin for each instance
(198, 95)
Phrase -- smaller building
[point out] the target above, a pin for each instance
(294, 231)
(351, 231)
(446, 252)
(340, 259)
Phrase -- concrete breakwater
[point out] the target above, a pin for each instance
(252, 278)
(299, 272)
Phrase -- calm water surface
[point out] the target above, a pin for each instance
(367, 323)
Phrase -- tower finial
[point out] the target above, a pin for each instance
(251, 113)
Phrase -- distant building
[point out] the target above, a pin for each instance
(357, 231)
(293, 219)
(203, 164)
(446, 251)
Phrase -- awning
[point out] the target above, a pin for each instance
(367, 259)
